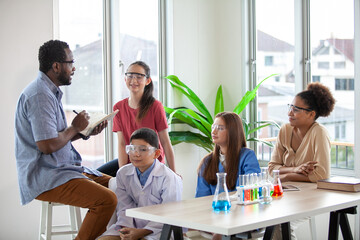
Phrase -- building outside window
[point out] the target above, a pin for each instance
(331, 60)
(84, 33)
(323, 65)
(82, 26)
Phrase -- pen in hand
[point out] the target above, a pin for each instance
(75, 112)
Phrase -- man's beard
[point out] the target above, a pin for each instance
(63, 79)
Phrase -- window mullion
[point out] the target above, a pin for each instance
(108, 144)
(163, 96)
(357, 90)
(306, 44)
(252, 114)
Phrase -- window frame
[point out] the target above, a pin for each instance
(303, 61)
(111, 59)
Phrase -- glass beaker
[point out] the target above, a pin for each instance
(240, 189)
(266, 187)
(278, 191)
(221, 200)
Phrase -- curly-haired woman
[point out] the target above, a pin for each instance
(302, 151)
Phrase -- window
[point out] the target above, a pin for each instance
(134, 40)
(323, 65)
(338, 37)
(81, 27)
(100, 66)
(275, 93)
(316, 78)
(138, 40)
(340, 131)
(339, 65)
(311, 51)
(351, 84)
(269, 60)
(344, 84)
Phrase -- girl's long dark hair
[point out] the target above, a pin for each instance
(235, 142)
(147, 98)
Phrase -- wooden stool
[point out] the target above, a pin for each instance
(47, 229)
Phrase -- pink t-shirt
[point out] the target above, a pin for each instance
(125, 121)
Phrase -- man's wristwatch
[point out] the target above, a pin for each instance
(84, 137)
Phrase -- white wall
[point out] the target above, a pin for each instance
(24, 26)
(205, 40)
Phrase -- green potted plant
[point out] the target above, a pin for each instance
(201, 119)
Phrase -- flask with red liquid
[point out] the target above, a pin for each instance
(278, 191)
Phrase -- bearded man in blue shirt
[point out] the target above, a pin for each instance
(49, 167)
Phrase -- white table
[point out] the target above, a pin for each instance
(197, 213)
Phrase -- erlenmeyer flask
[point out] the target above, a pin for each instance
(278, 191)
(221, 201)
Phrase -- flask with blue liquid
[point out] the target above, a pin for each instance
(221, 201)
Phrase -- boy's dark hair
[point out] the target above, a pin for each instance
(146, 134)
(50, 52)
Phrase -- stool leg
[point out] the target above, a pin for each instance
(75, 218)
(72, 218)
(78, 217)
(49, 211)
(42, 220)
(312, 227)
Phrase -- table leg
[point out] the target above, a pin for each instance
(339, 218)
(269, 232)
(334, 226)
(345, 227)
(166, 232)
(285, 231)
(178, 233)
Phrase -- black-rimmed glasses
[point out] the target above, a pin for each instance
(297, 109)
(71, 61)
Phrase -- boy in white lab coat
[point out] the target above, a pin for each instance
(143, 182)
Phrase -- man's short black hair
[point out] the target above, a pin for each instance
(146, 134)
(50, 52)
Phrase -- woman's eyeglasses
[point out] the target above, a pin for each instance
(217, 127)
(296, 109)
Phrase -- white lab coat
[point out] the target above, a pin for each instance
(162, 186)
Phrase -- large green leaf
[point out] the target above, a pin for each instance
(177, 137)
(246, 127)
(264, 124)
(219, 101)
(249, 96)
(174, 80)
(184, 118)
(193, 117)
